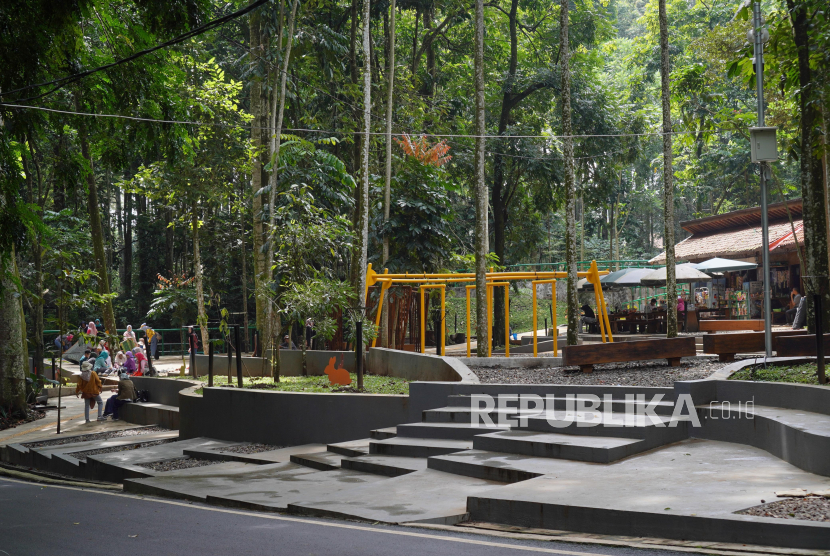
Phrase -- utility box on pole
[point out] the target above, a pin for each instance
(764, 144)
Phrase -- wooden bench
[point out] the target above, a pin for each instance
(588, 355)
(727, 345)
(799, 345)
(711, 326)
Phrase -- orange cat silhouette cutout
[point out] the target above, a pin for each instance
(338, 375)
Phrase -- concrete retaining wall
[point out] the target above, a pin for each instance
(418, 366)
(163, 390)
(288, 418)
(291, 363)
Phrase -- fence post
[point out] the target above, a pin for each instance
(822, 378)
(53, 368)
(210, 364)
(358, 352)
(236, 340)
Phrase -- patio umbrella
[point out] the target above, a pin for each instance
(582, 285)
(685, 274)
(609, 281)
(723, 265)
(632, 279)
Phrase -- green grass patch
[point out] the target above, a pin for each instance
(372, 384)
(805, 373)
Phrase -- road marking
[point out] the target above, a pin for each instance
(327, 524)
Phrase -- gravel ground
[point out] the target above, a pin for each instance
(250, 449)
(635, 373)
(178, 463)
(96, 436)
(83, 455)
(811, 508)
(9, 422)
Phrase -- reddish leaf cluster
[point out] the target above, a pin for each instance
(174, 282)
(433, 155)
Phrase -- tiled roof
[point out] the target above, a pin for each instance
(733, 243)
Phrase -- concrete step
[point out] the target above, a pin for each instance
(418, 447)
(383, 434)
(116, 467)
(449, 431)
(323, 461)
(260, 458)
(262, 487)
(389, 466)
(595, 449)
(658, 429)
(149, 413)
(463, 411)
(351, 448)
(492, 466)
(562, 391)
(425, 496)
(799, 437)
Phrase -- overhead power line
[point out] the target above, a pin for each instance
(307, 130)
(64, 81)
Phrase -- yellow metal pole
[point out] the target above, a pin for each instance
(554, 332)
(489, 320)
(604, 316)
(423, 324)
(468, 319)
(443, 324)
(507, 320)
(535, 353)
(383, 287)
(593, 278)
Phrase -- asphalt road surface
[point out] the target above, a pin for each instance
(50, 520)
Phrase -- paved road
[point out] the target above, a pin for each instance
(49, 520)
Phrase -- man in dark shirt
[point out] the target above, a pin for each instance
(588, 316)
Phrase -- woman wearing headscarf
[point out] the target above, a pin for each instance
(89, 388)
(103, 363)
(129, 365)
(140, 361)
(129, 334)
(120, 359)
(91, 329)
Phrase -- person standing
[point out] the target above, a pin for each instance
(130, 335)
(89, 388)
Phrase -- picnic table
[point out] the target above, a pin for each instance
(637, 322)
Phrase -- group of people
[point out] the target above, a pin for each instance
(148, 344)
(90, 388)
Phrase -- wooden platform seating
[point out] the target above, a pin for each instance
(727, 345)
(799, 345)
(588, 355)
(712, 326)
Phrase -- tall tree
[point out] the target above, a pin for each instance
(812, 176)
(570, 179)
(277, 112)
(95, 227)
(12, 338)
(363, 207)
(387, 178)
(668, 173)
(482, 240)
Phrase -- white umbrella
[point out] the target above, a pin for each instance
(723, 265)
(684, 273)
(632, 279)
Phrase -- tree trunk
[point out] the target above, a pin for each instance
(169, 240)
(668, 175)
(128, 244)
(387, 181)
(37, 255)
(570, 179)
(244, 256)
(13, 364)
(276, 128)
(813, 191)
(500, 189)
(258, 236)
(363, 215)
(96, 231)
(482, 239)
(197, 272)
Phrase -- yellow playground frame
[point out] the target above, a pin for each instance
(494, 280)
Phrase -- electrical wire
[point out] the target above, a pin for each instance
(308, 130)
(64, 81)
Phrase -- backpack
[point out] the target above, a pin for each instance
(142, 396)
